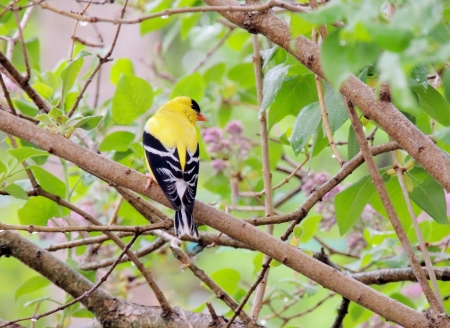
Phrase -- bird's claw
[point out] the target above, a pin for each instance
(149, 181)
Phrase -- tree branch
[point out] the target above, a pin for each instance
(237, 229)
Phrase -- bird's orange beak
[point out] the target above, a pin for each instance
(200, 117)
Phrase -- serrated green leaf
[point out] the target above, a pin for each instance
(37, 211)
(16, 191)
(289, 101)
(228, 279)
(192, 86)
(432, 102)
(24, 153)
(118, 141)
(69, 75)
(350, 203)
(305, 126)
(31, 285)
(273, 80)
(49, 182)
(309, 225)
(120, 66)
(133, 97)
(428, 194)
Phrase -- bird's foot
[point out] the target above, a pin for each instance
(149, 181)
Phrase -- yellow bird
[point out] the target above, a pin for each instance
(172, 154)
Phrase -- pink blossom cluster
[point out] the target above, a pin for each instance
(369, 217)
(228, 146)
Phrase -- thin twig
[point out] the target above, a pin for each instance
(342, 312)
(36, 317)
(22, 41)
(267, 175)
(423, 247)
(390, 210)
(174, 11)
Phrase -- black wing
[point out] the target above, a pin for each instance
(165, 165)
(190, 175)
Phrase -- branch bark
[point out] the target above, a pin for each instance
(385, 114)
(234, 228)
(109, 311)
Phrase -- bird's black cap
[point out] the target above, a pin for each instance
(195, 106)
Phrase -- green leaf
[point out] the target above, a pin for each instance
(214, 73)
(43, 89)
(403, 299)
(309, 225)
(37, 211)
(350, 203)
(192, 86)
(334, 103)
(133, 97)
(432, 102)
(298, 231)
(353, 144)
(272, 83)
(388, 38)
(390, 65)
(268, 54)
(300, 26)
(121, 66)
(331, 13)
(396, 196)
(156, 23)
(228, 279)
(188, 21)
(446, 80)
(243, 74)
(87, 122)
(55, 113)
(16, 191)
(49, 182)
(83, 313)
(443, 135)
(289, 101)
(24, 153)
(320, 141)
(31, 285)
(257, 263)
(341, 58)
(428, 194)
(69, 75)
(25, 107)
(304, 127)
(118, 141)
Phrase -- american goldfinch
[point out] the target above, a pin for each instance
(172, 153)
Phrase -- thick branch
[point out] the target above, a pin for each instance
(385, 114)
(110, 311)
(237, 229)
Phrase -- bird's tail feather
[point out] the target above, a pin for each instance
(184, 224)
